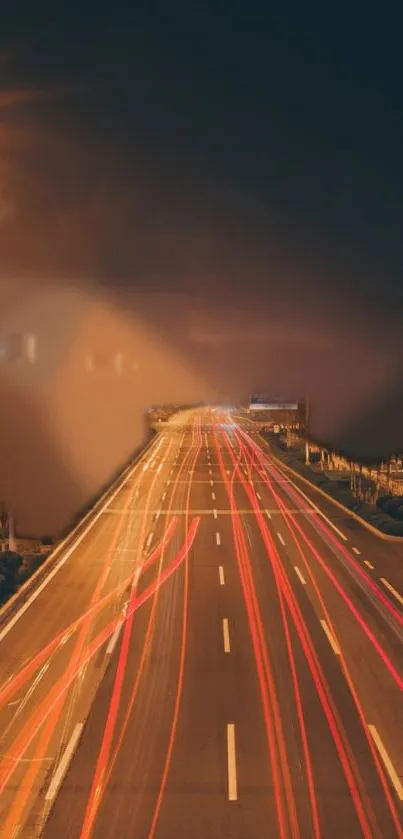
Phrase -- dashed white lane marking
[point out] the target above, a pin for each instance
(232, 780)
(221, 575)
(145, 467)
(368, 564)
(299, 575)
(164, 496)
(215, 513)
(218, 538)
(280, 538)
(157, 515)
(392, 590)
(210, 472)
(150, 538)
(329, 637)
(159, 468)
(64, 763)
(258, 496)
(225, 631)
(356, 551)
(387, 762)
(212, 483)
(213, 496)
(268, 514)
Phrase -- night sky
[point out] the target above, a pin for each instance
(245, 166)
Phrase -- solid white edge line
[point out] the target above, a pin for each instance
(113, 639)
(218, 538)
(392, 590)
(299, 575)
(221, 575)
(61, 770)
(232, 781)
(387, 762)
(281, 538)
(49, 577)
(225, 631)
(330, 638)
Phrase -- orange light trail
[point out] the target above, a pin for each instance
(198, 435)
(147, 639)
(11, 687)
(101, 774)
(34, 724)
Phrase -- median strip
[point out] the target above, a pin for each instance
(64, 763)
(114, 639)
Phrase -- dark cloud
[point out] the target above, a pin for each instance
(229, 184)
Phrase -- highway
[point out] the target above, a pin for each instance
(219, 656)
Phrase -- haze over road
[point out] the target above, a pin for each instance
(220, 656)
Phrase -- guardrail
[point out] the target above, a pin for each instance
(19, 598)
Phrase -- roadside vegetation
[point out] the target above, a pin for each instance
(386, 514)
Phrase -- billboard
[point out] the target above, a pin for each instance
(265, 403)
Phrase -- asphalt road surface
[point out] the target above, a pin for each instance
(220, 656)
